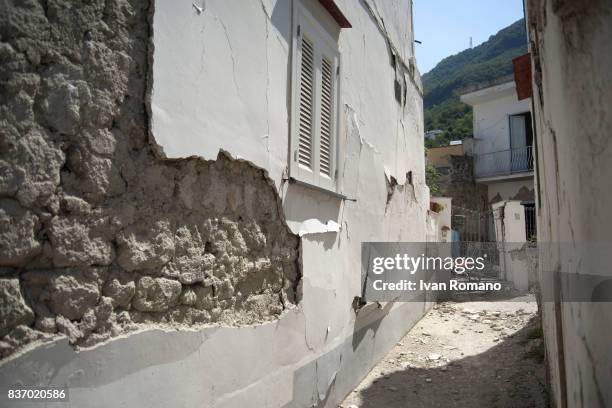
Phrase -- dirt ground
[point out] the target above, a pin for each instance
(462, 354)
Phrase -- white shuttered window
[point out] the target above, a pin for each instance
(314, 104)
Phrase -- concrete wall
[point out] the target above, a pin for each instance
(199, 278)
(442, 219)
(571, 58)
(520, 190)
(510, 231)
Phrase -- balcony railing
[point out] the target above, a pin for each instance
(505, 162)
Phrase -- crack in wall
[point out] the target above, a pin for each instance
(231, 50)
(409, 66)
(567, 39)
(100, 235)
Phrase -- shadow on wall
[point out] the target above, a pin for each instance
(281, 19)
(368, 320)
(313, 213)
(337, 372)
(331, 370)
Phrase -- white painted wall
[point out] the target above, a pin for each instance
(492, 108)
(220, 81)
(221, 78)
(510, 231)
(443, 218)
(572, 55)
(234, 76)
(516, 268)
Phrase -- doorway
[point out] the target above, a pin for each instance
(521, 142)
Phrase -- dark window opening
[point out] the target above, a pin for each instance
(521, 142)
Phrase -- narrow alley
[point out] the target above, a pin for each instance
(305, 203)
(462, 354)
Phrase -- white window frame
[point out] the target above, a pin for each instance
(304, 24)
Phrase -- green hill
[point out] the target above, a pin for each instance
(486, 62)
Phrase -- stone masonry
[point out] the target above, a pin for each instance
(99, 234)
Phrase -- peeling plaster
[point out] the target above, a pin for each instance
(208, 82)
(315, 226)
(105, 237)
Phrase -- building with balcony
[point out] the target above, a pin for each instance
(502, 151)
(502, 146)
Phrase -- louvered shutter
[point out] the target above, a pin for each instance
(306, 104)
(326, 115)
(313, 141)
(326, 107)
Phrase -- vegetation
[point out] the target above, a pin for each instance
(431, 179)
(535, 333)
(453, 117)
(442, 85)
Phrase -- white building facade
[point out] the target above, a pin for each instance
(326, 99)
(503, 152)
(503, 142)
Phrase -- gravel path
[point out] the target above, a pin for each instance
(468, 354)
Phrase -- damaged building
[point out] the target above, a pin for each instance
(571, 54)
(184, 192)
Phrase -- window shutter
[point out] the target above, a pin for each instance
(314, 104)
(327, 99)
(306, 104)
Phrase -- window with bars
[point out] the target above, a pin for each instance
(315, 100)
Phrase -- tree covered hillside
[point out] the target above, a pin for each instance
(486, 62)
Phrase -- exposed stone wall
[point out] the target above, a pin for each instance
(468, 193)
(461, 186)
(98, 235)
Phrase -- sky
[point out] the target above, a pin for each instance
(445, 26)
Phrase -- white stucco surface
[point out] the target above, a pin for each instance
(221, 80)
(492, 108)
(443, 218)
(515, 267)
(572, 99)
(235, 76)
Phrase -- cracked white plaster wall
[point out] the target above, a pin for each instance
(393, 18)
(211, 87)
(143, 361)
(237, 100)
(571, 55)
(220, 80)
(315, 226)
(210, 104)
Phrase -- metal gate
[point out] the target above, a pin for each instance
(477, 233)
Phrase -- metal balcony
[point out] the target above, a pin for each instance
(504, 162)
